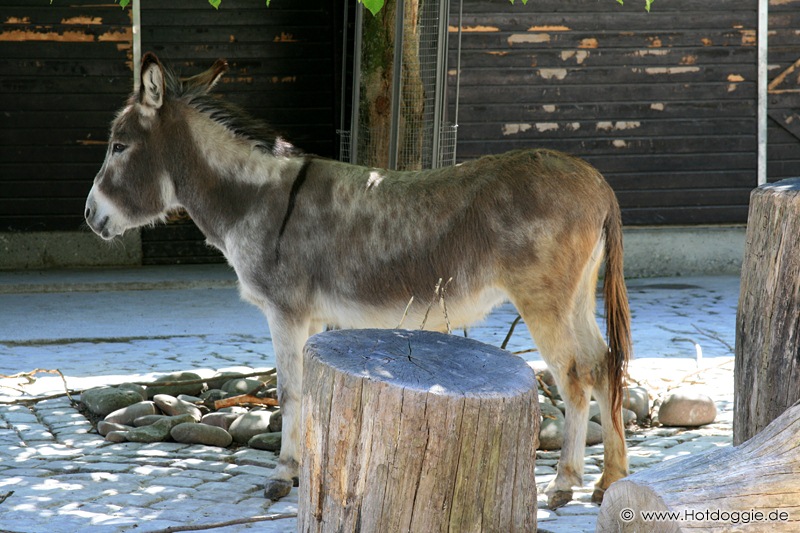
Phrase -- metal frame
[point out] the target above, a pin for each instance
(763, 81)
(349, 140)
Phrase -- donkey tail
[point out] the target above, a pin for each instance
(618, 316)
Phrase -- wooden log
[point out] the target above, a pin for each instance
(416, 431)
(767, 371)
(751, 487)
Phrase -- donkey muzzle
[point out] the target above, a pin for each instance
(97, 219)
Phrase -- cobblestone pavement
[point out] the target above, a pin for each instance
(57, 475)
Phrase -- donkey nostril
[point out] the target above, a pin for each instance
(88, 213)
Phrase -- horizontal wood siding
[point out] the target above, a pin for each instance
(783, 144)
(664, 104)
(64, 71)
(281, 70)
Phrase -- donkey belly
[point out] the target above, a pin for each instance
(435, 314)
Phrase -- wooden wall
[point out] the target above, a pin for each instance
(281, 70)
(64, 71)
(664, 104)
(783, 139)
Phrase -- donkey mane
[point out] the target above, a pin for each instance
(227, 114)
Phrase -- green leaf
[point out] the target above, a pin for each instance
(621, 2)
(124, 3)
(647, 4)
(374, 6)
(215, 3)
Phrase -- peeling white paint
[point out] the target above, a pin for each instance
(553, 73)
(513, 129)
(657, 106)
(669, 70)
(546, 126)
(619, 143)
(549, 108)
(526, 38)
(619, 125)
(579, 55)
(574, 126)
(652, 52)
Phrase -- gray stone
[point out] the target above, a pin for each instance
(134, 387)
(220, 378)
(188, 398)
(276, 421)
(175, 390)
(238, 409)
(147, 420)
(637, 400)
(221, 420)
(241, 386)
(687, 408)
(551, 434)
(128, 414)
(104, 428)
(249, 425)
(594, 434)
(546, 376)
(550, 410)
(628, 417)
(173, 406)
(117, 436)
(105, 400)
(192, 433)
(213, 395)
(157, 432)
(270, 442)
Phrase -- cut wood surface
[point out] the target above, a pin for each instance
(767, 371)
(751, 487)
(416, 431)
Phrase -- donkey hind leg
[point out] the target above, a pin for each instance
(566, 332)
(288, 337)
(615, 454)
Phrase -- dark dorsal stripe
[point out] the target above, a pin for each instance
(299, 180)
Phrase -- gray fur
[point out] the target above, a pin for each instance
(315, 241)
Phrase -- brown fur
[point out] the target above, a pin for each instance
(317, 242)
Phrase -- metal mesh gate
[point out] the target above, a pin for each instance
(398, 108)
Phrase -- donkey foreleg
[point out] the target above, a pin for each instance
(288, 337)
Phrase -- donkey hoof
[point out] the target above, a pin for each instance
(275, 489)
(559, 498)
(597, 495)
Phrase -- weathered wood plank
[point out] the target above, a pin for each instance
(416, 431)
(718, 491)
(767, 372)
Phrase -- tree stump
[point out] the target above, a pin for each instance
(416, 431)
(767, 371)
(751, 487)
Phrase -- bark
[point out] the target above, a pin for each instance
(767, 371)
(416, 431)
(719, 491)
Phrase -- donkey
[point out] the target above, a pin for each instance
(317, 242)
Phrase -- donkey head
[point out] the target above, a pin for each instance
(135, 185)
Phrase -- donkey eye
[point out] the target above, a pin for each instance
(118, 148)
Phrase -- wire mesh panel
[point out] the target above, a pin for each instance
(399, 86)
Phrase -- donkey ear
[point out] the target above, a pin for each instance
(208, 79)
(151, 92)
